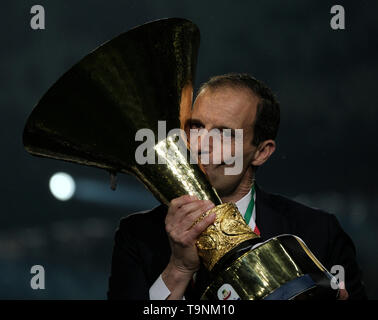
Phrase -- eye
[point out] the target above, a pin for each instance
(196, 125)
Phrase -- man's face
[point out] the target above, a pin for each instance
(225, 108)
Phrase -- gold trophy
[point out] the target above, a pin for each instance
(91, 115)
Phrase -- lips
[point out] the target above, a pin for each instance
(213, 167)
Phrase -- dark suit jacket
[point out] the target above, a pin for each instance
(141, 250)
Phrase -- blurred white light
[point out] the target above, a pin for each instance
(62, 186)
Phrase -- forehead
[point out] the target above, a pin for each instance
(226, 107)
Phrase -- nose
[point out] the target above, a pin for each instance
(209, 146)
(204, 142)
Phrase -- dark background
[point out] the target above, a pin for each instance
(326, 81)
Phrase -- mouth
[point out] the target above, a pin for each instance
(214, 166)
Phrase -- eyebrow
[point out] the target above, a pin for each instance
(200, 123)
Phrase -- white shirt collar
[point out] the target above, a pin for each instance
(243, 203)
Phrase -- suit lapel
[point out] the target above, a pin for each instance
(269, 219)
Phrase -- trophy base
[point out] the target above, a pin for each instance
(282, 268)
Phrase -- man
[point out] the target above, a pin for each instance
(155, 256)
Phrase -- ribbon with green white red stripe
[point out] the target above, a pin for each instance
(250, 214)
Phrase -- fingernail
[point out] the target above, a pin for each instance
(211, 205)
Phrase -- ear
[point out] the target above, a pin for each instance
(263, 152)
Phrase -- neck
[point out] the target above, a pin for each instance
(242, 189)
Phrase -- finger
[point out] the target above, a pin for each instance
(187, 222)
(191, 207)
(180, 201)
(177, 203)
(201, 226)
(343, 294)
(185, 216)
(172, 219)
(179, 214)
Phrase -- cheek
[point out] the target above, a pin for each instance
(239, 149)
(232, 147)
(248, 154)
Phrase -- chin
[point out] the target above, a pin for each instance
(213, 173)
(224, 185)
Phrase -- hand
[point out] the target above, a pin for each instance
(182, 214)
(343, 294)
